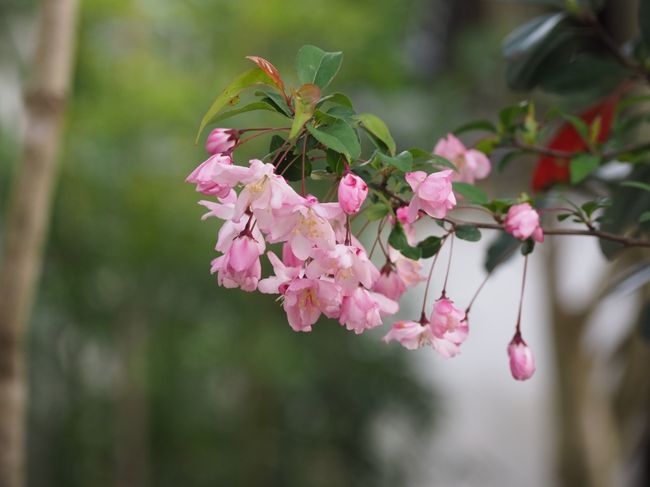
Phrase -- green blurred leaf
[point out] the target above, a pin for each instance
(582, 166)
(397, 239)
(527, 246)
(533, 33)
(580, 71)
(501, 249)
(645, 217)
(376, 211)
(376, 127)
(484, 125)
(468, 232)
(304, 105)
(317, 66)
(430, 246)
(257, 105)
(249, 78)
(637, 185)
(338, 136)
(471, 193)
(441, 161)
(403, 161)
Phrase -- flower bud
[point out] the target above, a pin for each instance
(221, 141)
(522, 222)
(352, 193)
(522, 362)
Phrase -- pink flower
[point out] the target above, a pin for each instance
(352, 193)
(410, 334)
(433, 194)
(264, 192)
(522, 221)
(399, 274)
(288, 257)
(305, 226)
(221, 141)
(348, 265)
(449, 327)
(471, 164)
(306, 299)
(284, 274)
(364, 309)
(240, 265)
(204, 176)
(522, 362)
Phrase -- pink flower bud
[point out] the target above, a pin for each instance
(352, 193)
(522, 362)
(221, 141)
(522, 222)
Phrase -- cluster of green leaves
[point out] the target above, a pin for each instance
(324, 138)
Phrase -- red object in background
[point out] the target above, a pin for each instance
(552, 170)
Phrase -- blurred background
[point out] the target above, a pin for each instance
(142, 371)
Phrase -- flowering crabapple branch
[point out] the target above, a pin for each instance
(319, 266)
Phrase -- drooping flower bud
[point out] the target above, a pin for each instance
(522, 222)
(221, 141)
(352, 193)
(522, 361)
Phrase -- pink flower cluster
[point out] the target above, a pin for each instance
(445, 330)
(323, 269)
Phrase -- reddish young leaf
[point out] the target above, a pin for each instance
(552, 170)
(269, 69)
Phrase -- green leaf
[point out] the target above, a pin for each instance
(484, 125)
(335, 161)
(257, 105)
(578, 124)
(628, 204)
(403, 161)
(397, 239)
(376, 127)
(471, 193)
(468, 232)
(249, 78)
(277, 100)
(441, 161)
(509, 115)
(317, 66)
(532, 34)
(527, 246)
(645, 217)
(338, 136)
(636, 184)
(582, 166)
(376, 211)
(574, 74)
(430, 246)
(337, 99)
(304, 105)
(500, 250)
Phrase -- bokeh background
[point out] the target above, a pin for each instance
(142, 371)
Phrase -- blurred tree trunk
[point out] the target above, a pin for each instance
(27, 221)
(132, 411)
